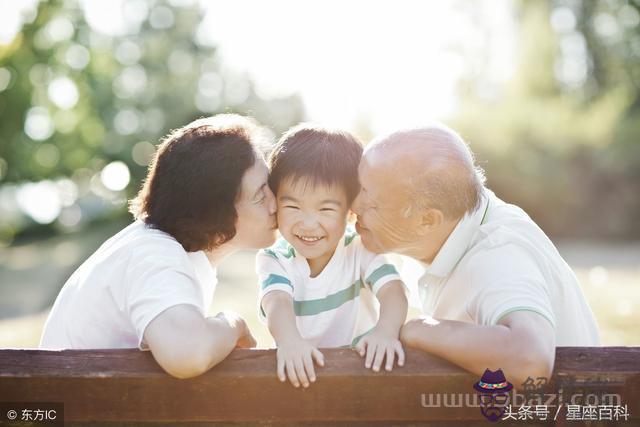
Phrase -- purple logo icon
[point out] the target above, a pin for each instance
(493, 389)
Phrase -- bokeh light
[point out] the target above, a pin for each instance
(63, 93)
(115, 176)
(38, 124)
(40, 201)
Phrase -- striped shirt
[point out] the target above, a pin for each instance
(338, 306)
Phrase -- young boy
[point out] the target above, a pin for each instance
(317, 283)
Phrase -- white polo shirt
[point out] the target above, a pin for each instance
(497, 261)
(134, 276)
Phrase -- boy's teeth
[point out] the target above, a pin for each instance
(309, 239)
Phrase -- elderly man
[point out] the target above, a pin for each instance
(495, 291)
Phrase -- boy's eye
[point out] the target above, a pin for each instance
(327, 210)
(290, 207)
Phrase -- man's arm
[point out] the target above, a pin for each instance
(187, 344)
(522, 344)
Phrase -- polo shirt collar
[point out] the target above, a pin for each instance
(458, 241)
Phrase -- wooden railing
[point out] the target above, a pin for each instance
(128, 386)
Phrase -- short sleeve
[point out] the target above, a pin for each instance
(159, 279)
(272, 276)
(504, 280)
(376, 270)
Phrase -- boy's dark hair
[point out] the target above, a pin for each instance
(325, 156)
(195, 179)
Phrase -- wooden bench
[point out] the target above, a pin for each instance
(127, 386)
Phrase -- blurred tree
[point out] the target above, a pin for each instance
(73, 99)
(561, 139)
(78, 98)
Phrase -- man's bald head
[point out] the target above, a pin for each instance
(433, 165)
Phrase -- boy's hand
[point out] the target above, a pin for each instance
(378, 344)
(295, 357)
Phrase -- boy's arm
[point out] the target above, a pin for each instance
(384, 340)
(393, 306)
(522, 344)
(186, 344)
(295, 355)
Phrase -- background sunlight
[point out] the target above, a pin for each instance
(547, 93)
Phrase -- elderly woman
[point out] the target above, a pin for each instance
(150, 286)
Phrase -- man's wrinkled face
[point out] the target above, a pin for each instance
(383, 209)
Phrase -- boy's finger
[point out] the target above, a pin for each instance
(308, 366)
(400, 352)
(377, 361)
(291, 373)
(371, 351)
(280, 369)
(302, 376)
(317, 354)
(390, 358)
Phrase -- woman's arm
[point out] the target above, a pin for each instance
(186, 344)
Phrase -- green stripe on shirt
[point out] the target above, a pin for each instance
(380, 272)
(274, 279)
(330, 302)
(269, 252)
(349, 238)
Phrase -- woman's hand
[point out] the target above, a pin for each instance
(239, 326)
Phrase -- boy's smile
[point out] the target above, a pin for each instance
(309, 240)
(312, 217)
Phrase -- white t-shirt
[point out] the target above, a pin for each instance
(134, 276)
(497, 261)
(338, 306)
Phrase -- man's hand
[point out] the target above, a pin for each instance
(295, 359)
(378, 344)
(411, 331)
(522, 344)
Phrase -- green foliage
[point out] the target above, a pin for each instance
(78, 99)
(131, 88)
(562, 140)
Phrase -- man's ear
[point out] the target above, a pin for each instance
(430, 219)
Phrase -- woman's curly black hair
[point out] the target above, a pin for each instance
(195, 180)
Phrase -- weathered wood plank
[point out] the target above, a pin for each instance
(127, 385)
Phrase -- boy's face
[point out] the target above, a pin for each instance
(312, 218)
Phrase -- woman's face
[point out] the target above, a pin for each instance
(256, 225)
